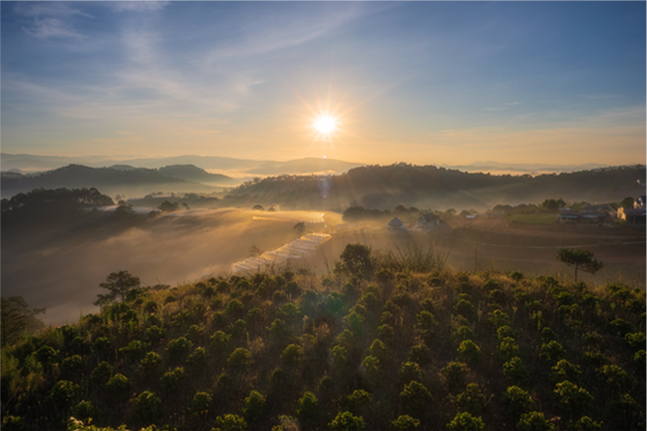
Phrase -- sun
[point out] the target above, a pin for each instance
(325, 125)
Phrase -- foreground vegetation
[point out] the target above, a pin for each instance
(385, 341)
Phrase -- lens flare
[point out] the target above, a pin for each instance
(325, 124)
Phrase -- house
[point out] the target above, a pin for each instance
(427, 221)
(635, 216)
(639, 203)
(395, 225)
(587, 217)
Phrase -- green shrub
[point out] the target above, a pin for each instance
(534, 421)
(63, 393)
(173, 380)
(154, 335)
(13, 423)
(454, 374)
(463, 333)
(515, 275)
(636, 340)
(469, 352)
(419, 354)
(464, 308)
(516, 371)
(84, 410)
(416, 398)
(177, 349)
(292, 355)
(410, 371)
(147, 406)
(498, 318)
(201, 404)
(639, 359)
(101, 374)
(505, 332)
(254, 407)
(358, 400)
(345, 421)
(516, 401)
(119, 387)
(240, 359)
(572, 398)
(218, 342)
(614, 376)
(230, 422)
(386, 334)
(466, 422)
(405, 423)
(584, 423)
(564, 370)
(552, 352)
(235, 309)
(71, 367)
(279, 331)
(150, 362)
(47, 354)
(307, 407)
(135, 350)
(508, 348)
(621, 327)
(497, 296)
(372, 370)
(471, 400)
(198, 359)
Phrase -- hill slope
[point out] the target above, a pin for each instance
(119, 179)
(381, 343)
(431, 187)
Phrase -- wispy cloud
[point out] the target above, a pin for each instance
(52, 27)
(280, 30)
(137, 6)
(58, 18)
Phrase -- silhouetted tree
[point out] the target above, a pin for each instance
(579, 258)
(168, 206)
(300, 228)
(17, 319)
(356, 260)
(118, 284)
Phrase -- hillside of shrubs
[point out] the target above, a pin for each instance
(382, 342)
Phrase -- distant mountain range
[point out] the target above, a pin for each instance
(250, 168)
(374, 187)
(24, 163)
(118, 179)
(522, 168)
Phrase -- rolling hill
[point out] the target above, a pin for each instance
(379, 187)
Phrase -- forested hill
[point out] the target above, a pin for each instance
(432, 187)
(119, 179)
(383, 342)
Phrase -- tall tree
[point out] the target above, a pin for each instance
(579, 258)
(118, 284)
(17, 319)
(627, 202)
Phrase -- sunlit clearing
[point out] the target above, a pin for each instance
(325, 124)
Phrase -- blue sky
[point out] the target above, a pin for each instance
(419, 82)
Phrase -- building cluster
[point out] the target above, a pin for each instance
(425, 222)
(635, 215)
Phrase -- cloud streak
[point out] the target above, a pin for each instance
(58, 18)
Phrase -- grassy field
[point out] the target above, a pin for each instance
(533, 218)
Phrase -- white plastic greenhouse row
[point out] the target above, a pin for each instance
(297, 249)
